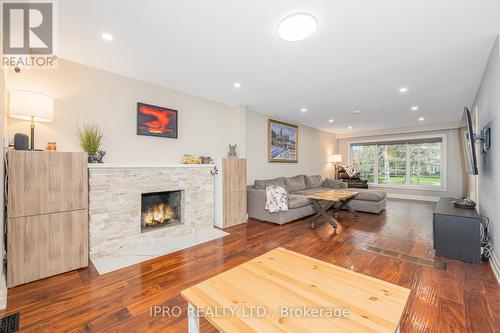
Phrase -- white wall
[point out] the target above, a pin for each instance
(487, 108)
(454, 172)
(3, 285)
(314, 147)
(87, 95)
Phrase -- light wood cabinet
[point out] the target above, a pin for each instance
(47, 216)
(234, 176)
(46, 182)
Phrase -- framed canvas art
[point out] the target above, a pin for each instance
(156, 121)
(283, 142)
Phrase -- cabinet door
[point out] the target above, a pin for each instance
(235, 208)
(242, 175)
(457, 237)
(234, 172)
(45, 245)
(46, 182)
(234, 191)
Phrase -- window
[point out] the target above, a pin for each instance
(392, 164)
(425, 164)
(363, 160)
(401, 163)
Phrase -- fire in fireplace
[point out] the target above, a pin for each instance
(160, 209)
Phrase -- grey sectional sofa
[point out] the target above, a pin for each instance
(298, 205)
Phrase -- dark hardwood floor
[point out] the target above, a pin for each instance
(461, 298)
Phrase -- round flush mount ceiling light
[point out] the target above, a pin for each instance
(403, 90)
(330, 120)
(303, 110)
(297, 27)
(237, 85)
(421, 119)
(356, 112)
(107, 36)
(414, 108)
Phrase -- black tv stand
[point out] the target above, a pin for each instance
(457, 232)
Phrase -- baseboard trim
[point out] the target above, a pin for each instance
(495, 266)
(412, 197)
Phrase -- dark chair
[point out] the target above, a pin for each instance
(352, 182)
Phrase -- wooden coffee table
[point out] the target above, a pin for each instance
(284, 291)
(337, 199)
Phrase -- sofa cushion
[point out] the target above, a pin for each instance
(369, 195)
(297, 201)
(262, 184)
(313, 181)
(296, 183)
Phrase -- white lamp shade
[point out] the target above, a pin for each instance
(26, 105)
(334, 158)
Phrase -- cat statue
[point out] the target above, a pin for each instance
(232, 152)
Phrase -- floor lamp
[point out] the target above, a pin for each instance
(27, 105)
(334, 158)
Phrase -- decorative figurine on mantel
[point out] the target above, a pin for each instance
(232, 152)
(90, 139)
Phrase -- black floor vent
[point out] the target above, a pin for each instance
(405, 257)
(10, 324)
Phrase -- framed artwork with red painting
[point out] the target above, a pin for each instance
(156, 121)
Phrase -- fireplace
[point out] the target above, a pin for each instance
(160, 209)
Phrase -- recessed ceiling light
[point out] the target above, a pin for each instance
(237, 85)
(303, 110)
(330, 120)
(349, 127)
(356, 112)
(107, 36)
(421, 119)
(414, 108)
(403, 90)
(297, 27)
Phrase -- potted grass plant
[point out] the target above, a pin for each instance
(90, 136)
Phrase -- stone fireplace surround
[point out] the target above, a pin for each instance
(115, 211)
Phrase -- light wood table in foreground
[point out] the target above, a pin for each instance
(337, 199)
(273, 292)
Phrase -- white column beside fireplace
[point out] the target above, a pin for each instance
(115, 193)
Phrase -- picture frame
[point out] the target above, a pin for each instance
(283, 142)
(157, 121)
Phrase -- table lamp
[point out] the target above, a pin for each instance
(335, 158)
(28, 105)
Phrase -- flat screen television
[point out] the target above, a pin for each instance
(468, 143)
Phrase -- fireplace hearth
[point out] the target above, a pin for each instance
(160, 209)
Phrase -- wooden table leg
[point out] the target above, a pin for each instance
(322, 212)
(353, 212)
(345, 204)
(193, 320)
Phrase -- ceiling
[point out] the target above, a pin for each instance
(361, 54)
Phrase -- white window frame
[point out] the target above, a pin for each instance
(444, 161)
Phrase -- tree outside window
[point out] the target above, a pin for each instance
(392, 164)
(363, 160)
